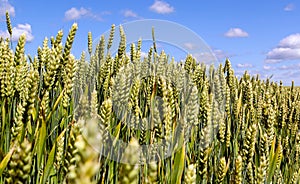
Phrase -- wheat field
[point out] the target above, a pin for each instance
(121, 118)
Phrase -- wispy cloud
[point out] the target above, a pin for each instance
(18, 31)
(290, 67)
(289, 7)
(6, 6)
(76, 14)
(190, 46)
(240, 72)
(221, 54)
(268, 67)
(287, 49)
(129, 14)
(244, 65)
(236, 33)
(161, 7)
(211, 57)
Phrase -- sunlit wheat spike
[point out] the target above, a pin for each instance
(60, 150)
(94, 104)
(69, 43)
(249, 145)
(193, 107)
(129, 170)
(139, 50)
(85, 159)
(104, 117)
(8, 23)
(90, 43)
(132, 53)
(190, 174)
(18, 124)
(69, 78)
(222, 170)
(8, 71)
(153, 39)
(238, 177)
(249, 173)
(111, 37)
(32, 84)
(58, 38)
(20, 163)
(20, 49)
(122, 44)
(152, 173)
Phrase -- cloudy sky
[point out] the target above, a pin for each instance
(262, 37)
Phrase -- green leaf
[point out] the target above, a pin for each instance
(41, 142)
(5, 161)
(273, 158)
(51, 158)
(49, 164)
(178, 166)
(55, 105)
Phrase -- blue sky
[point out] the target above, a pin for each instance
(261, 36)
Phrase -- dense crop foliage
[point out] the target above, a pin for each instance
(152, 119)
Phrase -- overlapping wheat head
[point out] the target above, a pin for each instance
(61, 122)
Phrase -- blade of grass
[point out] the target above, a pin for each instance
(5, 161)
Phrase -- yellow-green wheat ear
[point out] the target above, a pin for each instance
(111, 37)
(20, 50)
(129, 172)
(58, 38)
(20, 164)
(152, 173)
(190, 174)
(238, 178)
(222, 170)
(154, 42)
(69, 42)
(90, 43)
(8, 24)
(122, 45)
(104, 118)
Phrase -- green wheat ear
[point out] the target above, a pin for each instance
(222, 170)
(8, 23)
(20, 164)
(130, 170)
(238, 176)
(69, 43)
(190, 175)
(111, 37)
(90, 43)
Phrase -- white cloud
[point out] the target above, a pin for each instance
(287, 49)
(211, 57)
(143, 55)
(18, 31)
(241, 72)
(289, 7)
(75, 14)
(130, 13)
(236, 32)
(6, 6)
(267, 67)
(244, 65)
(221, 55)
(290, 67)
(190, 46)
(161, 7)
(292, 41)
(205, 57)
